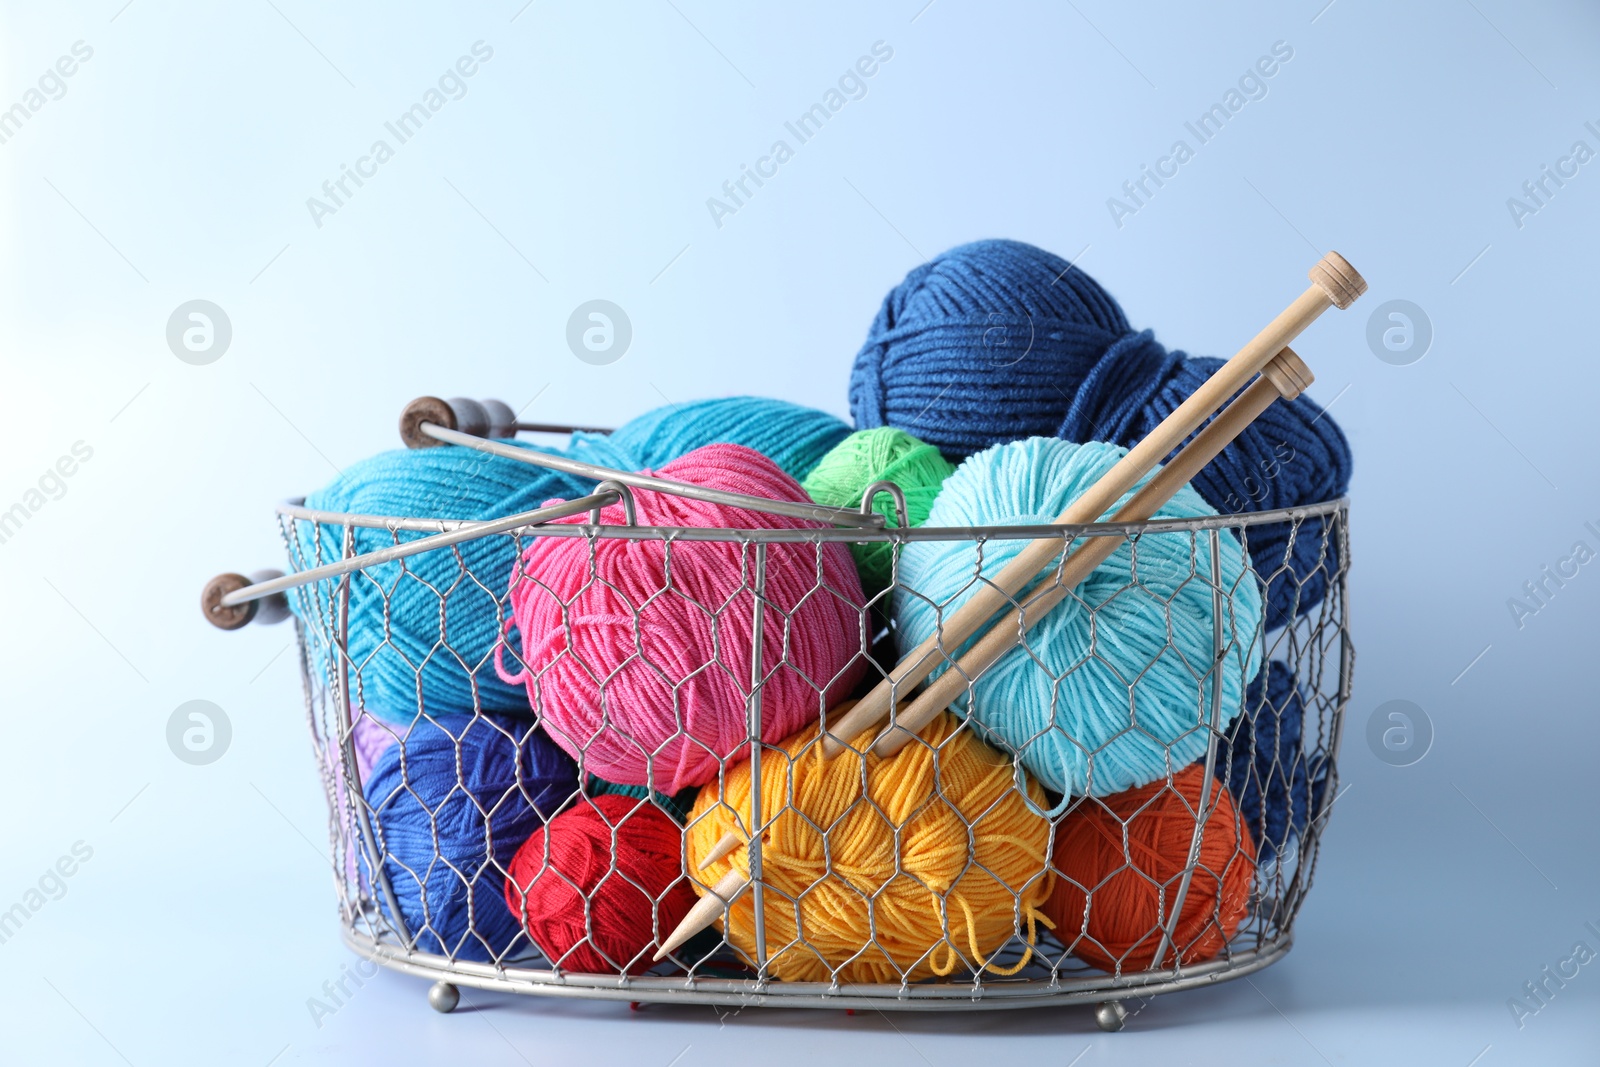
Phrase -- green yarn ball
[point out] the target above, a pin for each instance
(867, 456)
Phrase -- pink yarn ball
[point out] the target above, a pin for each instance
(659, 700)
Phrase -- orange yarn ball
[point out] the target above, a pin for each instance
(1120, 862)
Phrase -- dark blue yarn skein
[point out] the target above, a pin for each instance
(453, 801)
(1274, 784)
(998, 340)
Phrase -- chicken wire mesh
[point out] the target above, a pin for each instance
(1300, 559)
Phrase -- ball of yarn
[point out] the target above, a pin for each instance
(867, 456)
(794, 437)
(639, 658)
(601, 885)
(675, 806)
(1273, 781)
(1113, 688)
(370, 737)
(588, 446)
(421, 630)
(934, 858)
(1120, 862)
(998, 340)
(452, 803)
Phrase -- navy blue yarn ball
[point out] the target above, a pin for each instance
(998, 340)
(452, 803)
(1274, 784)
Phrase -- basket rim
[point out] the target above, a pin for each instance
(759, 992)
(295, 508)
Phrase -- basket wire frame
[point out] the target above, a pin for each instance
(1316, 648)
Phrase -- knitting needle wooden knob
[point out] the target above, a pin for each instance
(707, 910)
(1334, 284)
(1286, 376)
(268, 610)
(488, 418)
(1334, 275)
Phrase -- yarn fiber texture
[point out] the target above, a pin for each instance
(369, 737)
(452, 804)
(1274, 783)
(791, 435)
(676, 806)
(1114, 687)
(867, 456)
(997, 341)
(640, 663)
(1120, 863)
(898, 857)
(601, 885)
(422, 630)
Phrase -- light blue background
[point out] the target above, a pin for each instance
(177, 166)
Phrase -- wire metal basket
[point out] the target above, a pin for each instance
(1315, 648)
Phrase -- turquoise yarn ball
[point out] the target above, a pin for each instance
(792, 436)
(1113, 689)
(599, 449)
(423, 630)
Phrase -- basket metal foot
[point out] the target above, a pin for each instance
(1110, 1016)
(443, 997)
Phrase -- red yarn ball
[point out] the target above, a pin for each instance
(1112, 900)
(637, 654)
(609, 889)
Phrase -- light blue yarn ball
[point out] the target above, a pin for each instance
(1114, 687)
(792, 436)
(423, 630)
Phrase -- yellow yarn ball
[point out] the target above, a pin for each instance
(945, 901)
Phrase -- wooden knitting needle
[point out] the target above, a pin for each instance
(1335, 284)
(725, 844)
(1286, 376)
(707, 910)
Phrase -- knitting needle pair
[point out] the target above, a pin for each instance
(1278, 372)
